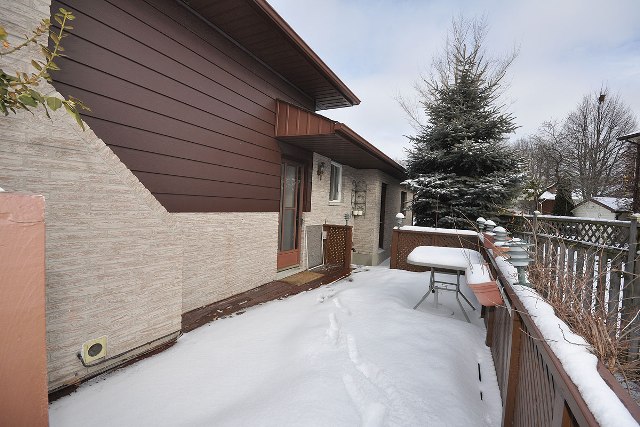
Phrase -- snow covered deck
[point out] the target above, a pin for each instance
(350, 353)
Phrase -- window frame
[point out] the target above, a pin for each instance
(338, 166)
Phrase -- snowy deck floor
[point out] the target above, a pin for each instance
(347, 354)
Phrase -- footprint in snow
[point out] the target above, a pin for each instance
(338, 304)
(333, 333)
(372, 412)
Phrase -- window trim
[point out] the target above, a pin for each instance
(339, 167)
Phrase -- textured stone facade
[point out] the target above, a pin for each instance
(226, 254)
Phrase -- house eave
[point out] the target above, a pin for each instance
(337, 141)
(259, 29)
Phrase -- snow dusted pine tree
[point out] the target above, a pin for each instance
(459, 166)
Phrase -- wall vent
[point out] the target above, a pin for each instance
(94, 349)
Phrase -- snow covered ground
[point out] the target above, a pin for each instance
(347, 354)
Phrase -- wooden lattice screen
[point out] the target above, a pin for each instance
(337, 246)
(404, 241)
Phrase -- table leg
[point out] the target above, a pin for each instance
(458, 298)
(431, 289)
(463, 296)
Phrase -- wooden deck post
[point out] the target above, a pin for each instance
(395, 236)
(631, 291)
(348, 245)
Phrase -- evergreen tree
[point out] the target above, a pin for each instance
(459, 165)
(564, 202)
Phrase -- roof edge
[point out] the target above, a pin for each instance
(630, 137)
(349, 133)
(304, 48)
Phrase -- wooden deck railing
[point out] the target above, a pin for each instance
(534, 387)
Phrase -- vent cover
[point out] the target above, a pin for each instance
(94, 349)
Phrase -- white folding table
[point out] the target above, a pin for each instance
(448, 259)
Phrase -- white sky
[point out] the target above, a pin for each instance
(379, 48)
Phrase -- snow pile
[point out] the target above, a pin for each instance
(352, 353)
(571, 350)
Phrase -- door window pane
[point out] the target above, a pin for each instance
(288, 229)
(289, 186)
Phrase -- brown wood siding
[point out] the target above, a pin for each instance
(189, 112)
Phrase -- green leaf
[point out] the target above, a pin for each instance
(54, 103)
(58, 19)
(36, 65)
(27, 100)
(3, 33)
(54, 37)
(63, 10)
(36, 95)
(52, 66)
(78, 119)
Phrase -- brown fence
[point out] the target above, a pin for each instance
(404, 241)
(337, 246)
(534, 387)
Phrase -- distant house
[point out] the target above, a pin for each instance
(547, 200)
(604, 208)
(205, 172)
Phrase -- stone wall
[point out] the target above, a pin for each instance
(226, 254)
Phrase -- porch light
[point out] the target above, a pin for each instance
(320, 170)
(519, 258)
(346, 218)
(480, 223)
(399, 219)
(489, 225)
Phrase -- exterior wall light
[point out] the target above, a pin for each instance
(320, 170)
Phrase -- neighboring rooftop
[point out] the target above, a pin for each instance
(258, 29)
(615, 204)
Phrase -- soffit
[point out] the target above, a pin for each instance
(258, 28)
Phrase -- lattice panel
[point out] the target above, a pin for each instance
(409, 240)
(335, 246)
(601, 234)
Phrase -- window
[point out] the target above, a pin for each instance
(403, 201)
(335, 183)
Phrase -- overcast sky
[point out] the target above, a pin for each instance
(379, 48)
